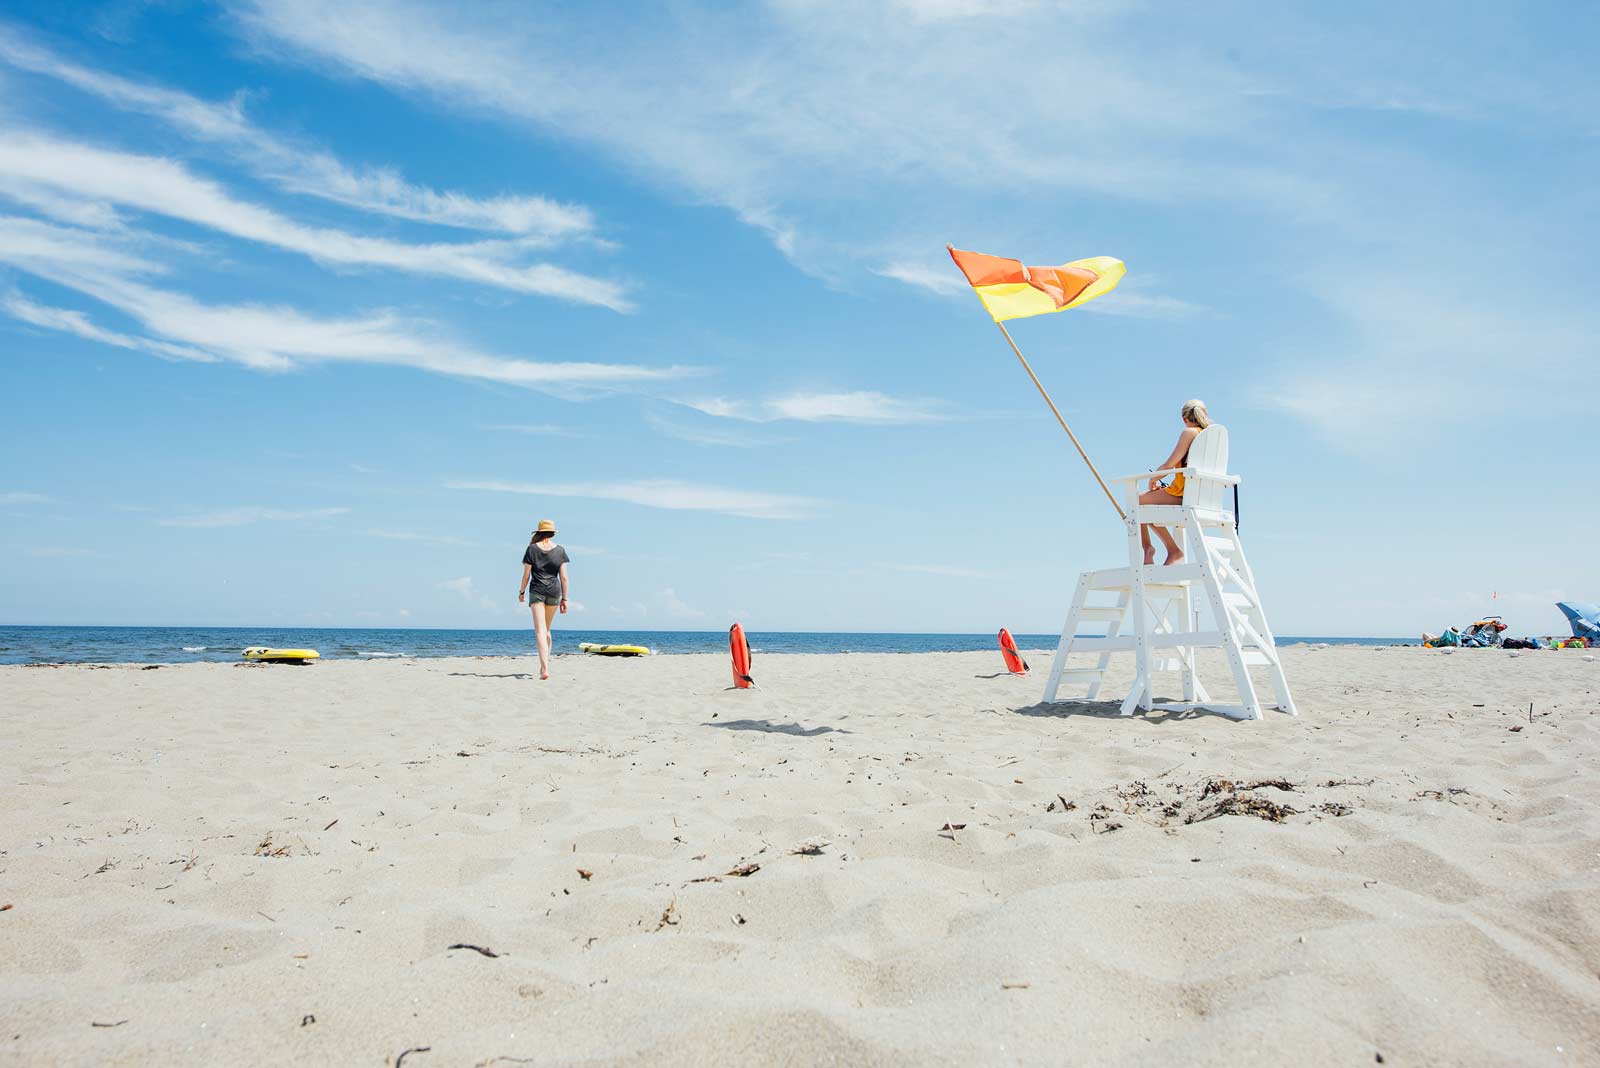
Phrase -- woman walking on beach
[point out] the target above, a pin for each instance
(544, 583)
(1195, 420)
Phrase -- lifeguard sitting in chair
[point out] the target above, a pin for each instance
(1158, 609)
(1195, 420)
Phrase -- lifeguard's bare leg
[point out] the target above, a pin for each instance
(1174, 554)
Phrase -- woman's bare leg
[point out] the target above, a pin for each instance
(541, 633)
(1174, 554)
(550, 611)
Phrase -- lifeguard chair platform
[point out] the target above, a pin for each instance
(1155, 612)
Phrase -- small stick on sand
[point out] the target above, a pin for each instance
(475, 949)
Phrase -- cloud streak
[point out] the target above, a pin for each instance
(425, 539)
(761, 113)
(531, 429)
(1378, 387)
(945, 282)
(249, 514)
(264, 337)
(163, 187)
(468, 592)
(68, 321)
(861, 406)
(668, 494)
(300, 168)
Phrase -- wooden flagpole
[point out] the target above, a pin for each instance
(1038, 385)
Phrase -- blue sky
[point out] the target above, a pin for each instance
(309, 312)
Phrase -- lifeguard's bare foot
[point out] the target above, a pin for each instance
(1149, 556)
(1173, 558)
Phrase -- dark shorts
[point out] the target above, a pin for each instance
(535, 597)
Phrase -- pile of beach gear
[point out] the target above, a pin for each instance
(1489, 633)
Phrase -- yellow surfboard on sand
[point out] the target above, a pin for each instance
(265, 655)
(613, 650)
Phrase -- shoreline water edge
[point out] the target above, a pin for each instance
(178, 645)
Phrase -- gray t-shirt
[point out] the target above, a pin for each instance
(546, 577)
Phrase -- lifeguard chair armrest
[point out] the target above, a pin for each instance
(1186, 472)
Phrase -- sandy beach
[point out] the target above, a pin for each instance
(871, 859)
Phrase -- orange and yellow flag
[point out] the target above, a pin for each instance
(1011, 291)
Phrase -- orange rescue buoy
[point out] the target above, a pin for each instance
(740, 648)
(1008, 650)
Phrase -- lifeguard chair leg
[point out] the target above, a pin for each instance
(1069, 630)
(1257, 617)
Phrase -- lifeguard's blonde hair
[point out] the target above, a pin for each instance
(1194, 411)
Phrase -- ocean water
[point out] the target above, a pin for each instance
(176, 645)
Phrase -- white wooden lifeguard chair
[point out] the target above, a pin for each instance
(1155, 614)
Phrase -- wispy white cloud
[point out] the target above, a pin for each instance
(965, 9)
(1194, 110)
(1134, 305)
(164, 187)
(945, 280)
(468, 592)
(60, 552)
(762, 113)
(537, 219)
(244, 516)
(75, 210)
(39, 247)
(260, 336)
(701, 435)
(664, 493)
(297, 167)
(21, 497)
(1419, 359)
(858, 407)
(676, 607)
(427, 539)
(68, 321)
(533, 429)
(861, 406)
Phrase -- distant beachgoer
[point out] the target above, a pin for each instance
(544, 577)
(1195, 420)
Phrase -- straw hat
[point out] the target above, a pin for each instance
(546, 526)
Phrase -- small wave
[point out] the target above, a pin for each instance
(194, 648)
(362, 652)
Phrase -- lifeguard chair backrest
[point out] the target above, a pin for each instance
(1208, 453)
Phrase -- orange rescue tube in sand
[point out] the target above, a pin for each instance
(739, 646)
(1008, 649)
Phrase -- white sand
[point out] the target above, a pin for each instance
(209, 856)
